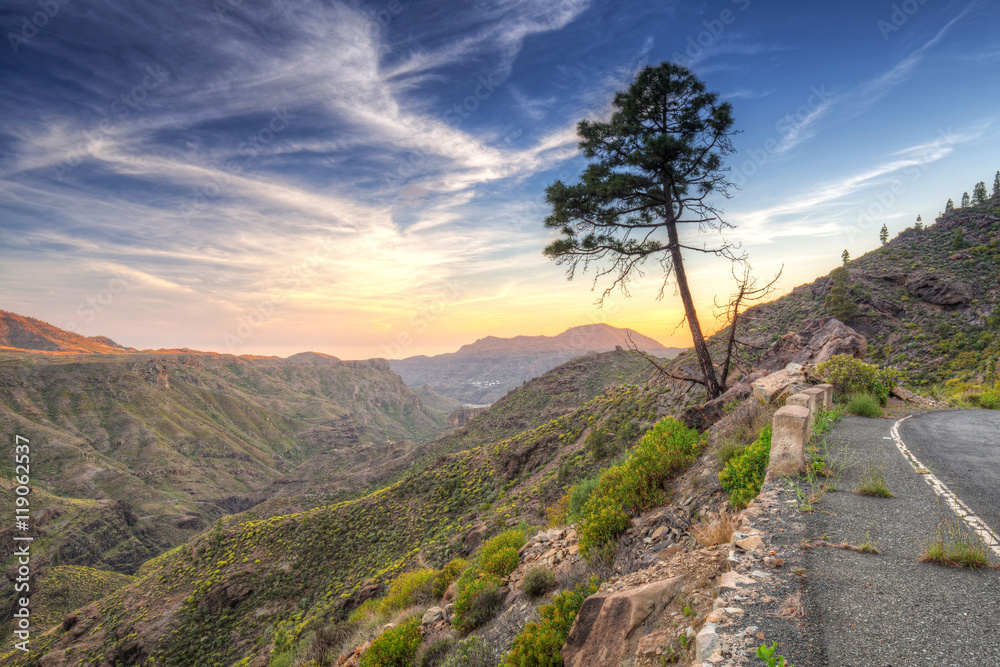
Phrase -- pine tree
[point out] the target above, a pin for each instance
(950, 206)
(846, 257)
(958, 240)
(839, 301)
(996, 185)
(979, 194)
(883, 235)
(919, 224)
(965, 200)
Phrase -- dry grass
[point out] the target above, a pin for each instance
(791, 607)
(956, 545)
(714, 530)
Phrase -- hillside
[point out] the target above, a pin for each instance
(481, 372)
(27, 333)
(234, 585)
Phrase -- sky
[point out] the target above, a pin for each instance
(367, 179)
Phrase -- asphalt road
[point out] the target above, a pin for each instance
(889, 609)
(962, 449)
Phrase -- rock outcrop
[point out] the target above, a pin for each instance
(605, 630)
(817, 341)
(940, 290)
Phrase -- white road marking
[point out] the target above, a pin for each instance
(975, 524)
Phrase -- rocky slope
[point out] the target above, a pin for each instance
(27, 333)
(482, 372)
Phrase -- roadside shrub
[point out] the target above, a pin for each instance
(990, 399)
(744, 474)
(538, 581)
(850, 375)
(540, 642)
(434, 653)
(408, 589)
(448, 574)
(635, 485)
(396, 647)
(864, 405)
(478, 602)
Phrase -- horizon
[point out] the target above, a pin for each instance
(345, 176)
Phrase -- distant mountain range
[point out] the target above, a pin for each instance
(482, 372)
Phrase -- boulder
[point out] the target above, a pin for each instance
(771, 388)
(433, 615)
(817, 341)
(607, 630)
(940, 290)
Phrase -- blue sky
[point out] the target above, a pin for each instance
(367, 179)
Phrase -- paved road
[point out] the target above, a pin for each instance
(890, 609)
(962, 449)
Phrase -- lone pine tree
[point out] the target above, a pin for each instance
(839, 302)
(655, 166)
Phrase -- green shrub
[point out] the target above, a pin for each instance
(635, 485)
(538, 581)
(478, 601)
(595, 444)
(434, 653)
(579, 495)
(479, 586)
(539, 643)
(448, 574)
(396, 647)
(990, 399)
(850, 375)
(408, 589)
(472, 652)
(864, 404)
(744, 473)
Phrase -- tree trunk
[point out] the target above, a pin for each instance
(712, 385)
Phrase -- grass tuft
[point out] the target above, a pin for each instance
(715, 530)
(955, 544)
(864, 404)
(873, 479)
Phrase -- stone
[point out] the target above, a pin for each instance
(659, 532)
(916, 399)
(705, 642)
(750, 543)
(651, 646)
(433, 615)
(788, 438)
(605, 630)
(940, 290)
(771, 561)
(760, 574)
(815, 342)
(771, 388)
(731, 581)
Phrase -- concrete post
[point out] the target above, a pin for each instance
(816, 394)
(788, 439)
(806, 401)
(827, 395)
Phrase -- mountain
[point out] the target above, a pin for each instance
(27, 333)
(221, 598)
(482, 372)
